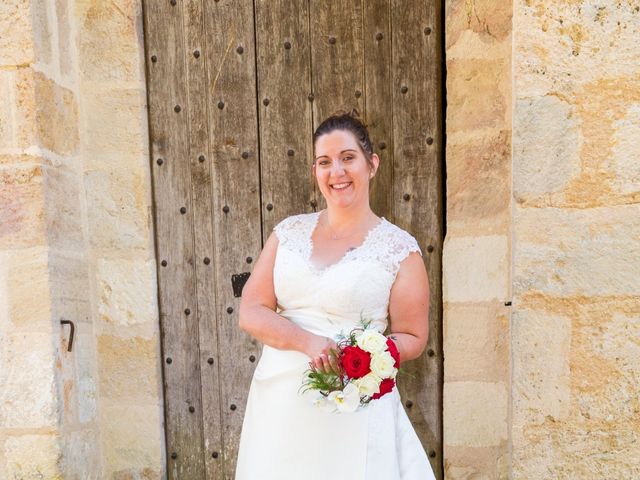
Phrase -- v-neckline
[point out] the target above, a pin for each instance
(314, 225)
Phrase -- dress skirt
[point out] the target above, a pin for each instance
(285, 437)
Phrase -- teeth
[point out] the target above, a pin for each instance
(341, 185)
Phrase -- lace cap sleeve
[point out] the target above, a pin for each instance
(291, 230)
(404, 243)
(413, 246)
(281, 228)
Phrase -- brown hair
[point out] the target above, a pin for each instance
(349, 121)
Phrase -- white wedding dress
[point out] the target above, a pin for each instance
(284, 436)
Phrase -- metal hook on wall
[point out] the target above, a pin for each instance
(71, 333)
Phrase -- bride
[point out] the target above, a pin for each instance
(317, 276)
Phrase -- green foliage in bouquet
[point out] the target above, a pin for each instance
(327, 382)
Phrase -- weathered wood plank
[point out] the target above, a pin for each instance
(337, 60)
(377, 99)
(205, 309)
(230, 60)
(168, 101)
(284, 79)
(418, 173)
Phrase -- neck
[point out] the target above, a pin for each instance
(340, 219)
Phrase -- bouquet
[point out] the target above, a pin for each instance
(368, 363)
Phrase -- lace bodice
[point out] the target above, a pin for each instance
(336, 297)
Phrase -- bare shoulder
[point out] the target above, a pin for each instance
(411, 269)
(409, 297)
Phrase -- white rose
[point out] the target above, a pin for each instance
(382, 364)
(372, 341)
(346, 400)
(369, 384)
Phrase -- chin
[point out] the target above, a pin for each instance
(341, 202)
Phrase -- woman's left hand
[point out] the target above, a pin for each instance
(323, 359)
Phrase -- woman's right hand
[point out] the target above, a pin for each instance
(322, 352)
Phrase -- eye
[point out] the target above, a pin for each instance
(348, 157)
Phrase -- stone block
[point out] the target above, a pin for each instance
(138, 474)
(42, 37)
(567, 252)
(24, 288)
(459, 472)
(593, 41)
(63, 209)
(626, 152)
(114, 30)
(85, 376)
(127, 291)
(547, 140)
(28, 396)
(22, 216)
(575, 450)
(132, 437)
(476, 342)
(477, 463)
(57, 116)
(16, 46)
(70, 286)
(476, 269)
(605, 365)
(25, 108)
(541, 379)
(128, 367)
(478, 197)
(475, 413)
(81, 458)
(33, 456)
(46, 113)
(117, 209)
(490, 20)
(21, 160)
(68, 395)
(66, 51)
(619, 341)
(117, 127)
(6, 113)
(478, 45)
(478, 94)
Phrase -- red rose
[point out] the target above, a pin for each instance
(393, 350)
(355, 362)
(385, 387)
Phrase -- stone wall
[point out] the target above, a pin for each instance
(545, 388)
(76, 243)
(576, 220)
(477, 247)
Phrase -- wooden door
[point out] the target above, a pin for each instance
(235, 90)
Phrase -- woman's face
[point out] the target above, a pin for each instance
(341, 169)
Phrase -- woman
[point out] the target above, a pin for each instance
(316, 277)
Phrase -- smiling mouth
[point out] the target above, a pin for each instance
(340, 186)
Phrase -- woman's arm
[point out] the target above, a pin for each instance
(257, 314)
(409, 308)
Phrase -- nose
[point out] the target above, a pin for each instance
(337, 168)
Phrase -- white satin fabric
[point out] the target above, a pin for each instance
(284, 437)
